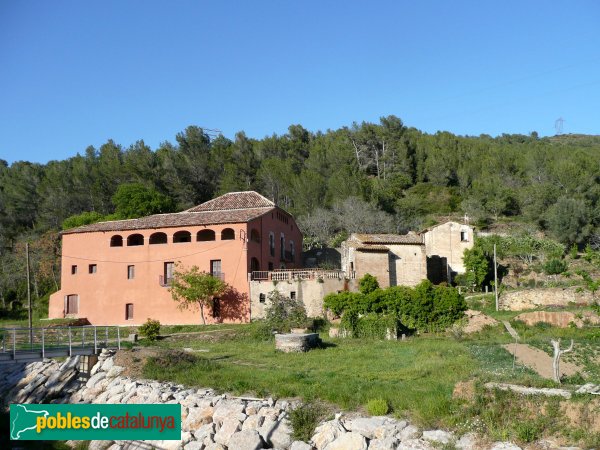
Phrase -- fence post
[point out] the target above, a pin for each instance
(14, 343)
(70, 348)
(119, 338)
(95, 341)
(43, 343)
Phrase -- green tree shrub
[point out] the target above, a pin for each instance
(85, 218)
(368, 284)
(150, 330)
(378, 407)
(304, 419)
(283, 313)
(555, 266)
(134, 200)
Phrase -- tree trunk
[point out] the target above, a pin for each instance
(556, 359)
(202, 314)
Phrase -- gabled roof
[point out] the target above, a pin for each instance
(235, 207)
(234, 200)
(394, 239)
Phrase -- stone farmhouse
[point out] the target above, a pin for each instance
(118, 272)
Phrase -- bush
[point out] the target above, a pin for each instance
(368, 284)
(555, 266)
(378, 407)
(304, 419)
(150, 330)
(370, 326)
(283, 313)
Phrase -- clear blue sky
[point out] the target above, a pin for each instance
(77, 73)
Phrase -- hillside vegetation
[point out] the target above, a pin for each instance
(368, 177)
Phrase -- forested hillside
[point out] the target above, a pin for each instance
(367, 177)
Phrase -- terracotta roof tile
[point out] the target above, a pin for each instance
(234, 200)
(410, 238)
(182, 219)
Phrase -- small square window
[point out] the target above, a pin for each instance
(73, 270)
(92, 268)
(130, 272)
(293, 295)
(464, 236)
(262, 298)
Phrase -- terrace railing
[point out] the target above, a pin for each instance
(35, 344)
(298, 274)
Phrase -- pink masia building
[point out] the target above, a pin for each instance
(118, 272)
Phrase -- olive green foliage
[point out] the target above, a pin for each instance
(304, 419)
(150, 329)
(591, 284)
(425, 307)
(555, 266)
(191, 287)
(525, 247)
(378, 407)
(283, 313)
(370, 325)
(368, 284)
(85, 218)
(134, 200)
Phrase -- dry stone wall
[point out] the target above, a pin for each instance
(212, 421)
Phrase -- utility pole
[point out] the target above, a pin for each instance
(29, 295)
(495, 277)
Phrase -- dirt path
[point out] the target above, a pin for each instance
(540, 361)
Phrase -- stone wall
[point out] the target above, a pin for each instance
(535, 298)
(445, 241)
(212, 421)
(310, 292)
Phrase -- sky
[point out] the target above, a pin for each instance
(75, 74)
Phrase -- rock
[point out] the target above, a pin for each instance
(277, 434)
(504, 446)
(439, 436)
(348, 441)
(225, 409)
(115, 371)
(467, 442)
(299, 445)
(194, 445)
(214, 446)
(388, 443)
(107, 364)
(94, 379)
(365, 425)
(253, 422)
(228, 427)
(197, 417)
(99, 445)
(326, 433)
(253, 407)
(415, 444)
(245, 440)
(410, 432)
(270, 412)
(204, 431)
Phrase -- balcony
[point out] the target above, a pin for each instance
(298, 274)
(164, 281)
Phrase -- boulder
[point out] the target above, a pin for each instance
(253, 422)
(299, 445)
(504, 446)
(94, 379)
(276, 433)
(228, 428)
(438, 436)
(348, 441)
(197, 417)
(365, 426)
(388, 443)
(410, 432)
(194, 445)
(326, 433)
(415, 444)
(245, 440)
(225, 409)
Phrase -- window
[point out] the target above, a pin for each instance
(282, 247)
(262, 298)
(254, 235)
(270, 266)
(130, 272)
(182, 236)
(292, 251)
(92, 268)
(216, 309)
(464, 236)
(254, 265)
(158, 238)
(73, 270)
(116, 241)
(205, 235)
(272, 244)
(135, 239)
(167, 275)
(72, 304)
(293, 295)
(129, 311)
(227, 234)
(215, 268)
